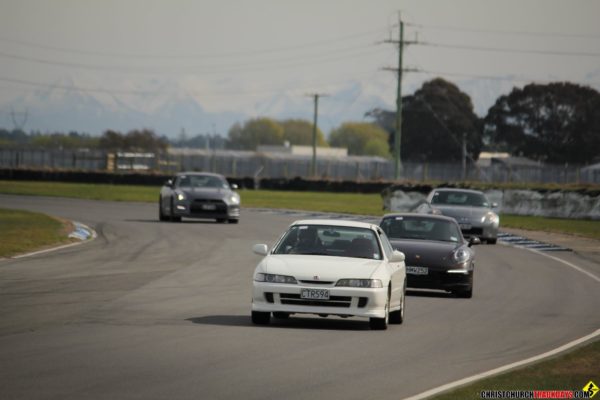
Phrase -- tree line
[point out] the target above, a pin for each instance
(556, 122)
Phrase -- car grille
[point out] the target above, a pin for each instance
(472, 231)
(197, 206)
(334, 301)
(317, 282)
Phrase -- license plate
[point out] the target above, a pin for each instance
(315, 294)
(417, 270)
(465, 227)
(209, 207)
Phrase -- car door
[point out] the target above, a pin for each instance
(395, 269)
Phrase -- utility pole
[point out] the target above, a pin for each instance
(398, 133)
(464, 156)
(19, 119)
(313, 166)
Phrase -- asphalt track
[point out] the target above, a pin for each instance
(154, 310)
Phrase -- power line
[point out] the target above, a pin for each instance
(504, 32)
(511, 50)
(500, 78)
(188, 56)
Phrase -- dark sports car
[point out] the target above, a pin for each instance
(437, 255)
(199, 195)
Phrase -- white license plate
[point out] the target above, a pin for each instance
(417, 270)
(315, 294)
(209, 207)
(465, 227)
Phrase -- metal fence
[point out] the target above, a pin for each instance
(271, 165)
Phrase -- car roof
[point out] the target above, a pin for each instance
(457, 190)
(334, 222)
(429, 216)
(200, 173)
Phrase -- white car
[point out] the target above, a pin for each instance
(330, 267)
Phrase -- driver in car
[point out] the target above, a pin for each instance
(308, 242)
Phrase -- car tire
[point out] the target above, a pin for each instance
(172, 215)
(397, 317)
(492, 241)
(221, 220)
(234, 221)
(261, 318)
(281, 315)
(464, 294)
(381, 324)
(161, 217)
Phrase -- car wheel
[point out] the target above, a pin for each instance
(161, 216)
(380, 324)
(234, 221)
(174, 218)
(492, 241)
(281, 315)
(465, 294)
(397, 317)
(261, 318)
(221, 220)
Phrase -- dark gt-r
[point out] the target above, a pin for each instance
(199, 195)
(437, 255)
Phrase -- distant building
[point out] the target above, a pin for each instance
(303, 150)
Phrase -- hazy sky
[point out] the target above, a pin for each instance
(232, 54)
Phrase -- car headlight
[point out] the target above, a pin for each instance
(180, 196)
(490, 218)
(360, 283)
(273, 278)
(461, 255)
(235, 199)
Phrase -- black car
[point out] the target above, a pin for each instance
(199, 195)
(437, 254)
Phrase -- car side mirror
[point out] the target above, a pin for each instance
(169, 183)
(260, 249)
(494, 205)
(398, 256)
(234, 186)
(474, 240)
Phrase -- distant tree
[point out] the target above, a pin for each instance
(259, 131)
(112, 140)
(58, 140)
(299, 132)
(557, 122)
(434, 120)
(135, 140)
(361, 138)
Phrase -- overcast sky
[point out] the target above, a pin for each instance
(231, 54)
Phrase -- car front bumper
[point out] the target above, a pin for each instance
(441, 280)
(221, 211)
(484, 232)
(343, 301)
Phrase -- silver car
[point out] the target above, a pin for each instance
(199, 195)
(470, 208)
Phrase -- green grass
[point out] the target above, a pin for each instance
(351, 203)
(23, 231)
(585, 228)
(571, 371)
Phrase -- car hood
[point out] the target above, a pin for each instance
(326, 268)
(463, 214)
(426, 253)
(205, 193)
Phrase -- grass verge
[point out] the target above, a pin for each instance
(351, 203)
(23, 231)
(570, 371)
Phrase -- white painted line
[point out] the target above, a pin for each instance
(462, 382)
(93, 236)
(568, 264)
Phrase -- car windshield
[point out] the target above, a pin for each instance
(423, 228)
(447, 197)
(200, 181)
(326, 240)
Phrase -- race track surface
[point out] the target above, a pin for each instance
(154, 310)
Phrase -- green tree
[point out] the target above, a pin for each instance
(361, 138)
(259, 131)
(556, 122)
(434, 120)
(299, 132)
